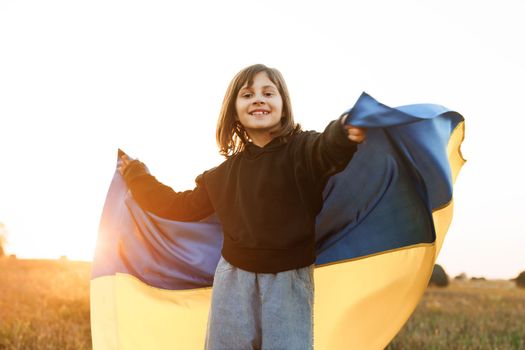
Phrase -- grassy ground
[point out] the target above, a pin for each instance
(45, 305)
(467, 315)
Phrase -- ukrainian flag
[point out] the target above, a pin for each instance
(381, 228)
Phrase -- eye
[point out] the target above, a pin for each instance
(269, 94)
(247, 95)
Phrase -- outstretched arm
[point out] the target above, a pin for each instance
(324, 154)
(162, 200)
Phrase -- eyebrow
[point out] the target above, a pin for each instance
(264, 87)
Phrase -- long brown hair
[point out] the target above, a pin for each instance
(231, 136)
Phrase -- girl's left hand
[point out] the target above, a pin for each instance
(354, 133)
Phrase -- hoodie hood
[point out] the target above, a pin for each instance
(254, 151)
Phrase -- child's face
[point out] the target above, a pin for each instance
(259, 107)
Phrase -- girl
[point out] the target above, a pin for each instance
(266, 195)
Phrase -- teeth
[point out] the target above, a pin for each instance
(259, 113)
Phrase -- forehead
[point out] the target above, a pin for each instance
(259, 80)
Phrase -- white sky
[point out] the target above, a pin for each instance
(78, 79)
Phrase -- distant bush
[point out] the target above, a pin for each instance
(478, 279)
(439, 277)
(461, 277)
(520, 280)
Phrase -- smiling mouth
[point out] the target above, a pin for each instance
(259, 113)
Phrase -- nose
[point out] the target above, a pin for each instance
(259, 100)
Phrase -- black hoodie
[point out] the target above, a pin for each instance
(266, 198)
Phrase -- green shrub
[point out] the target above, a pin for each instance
(439, 277)
(520, 280)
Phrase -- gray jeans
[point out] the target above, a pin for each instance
(261, 310)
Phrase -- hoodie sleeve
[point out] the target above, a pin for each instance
(327, 153)
(162, 200)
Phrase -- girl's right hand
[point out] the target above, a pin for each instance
(124, 163)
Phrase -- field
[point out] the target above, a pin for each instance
(467, 315)
(45, 305)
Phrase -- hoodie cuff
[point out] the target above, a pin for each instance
(338, 136)
(134, 170)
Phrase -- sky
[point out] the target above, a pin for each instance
(80, 79)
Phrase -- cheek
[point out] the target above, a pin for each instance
(279, 100)
(280, 106)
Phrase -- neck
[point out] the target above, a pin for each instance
(261, 139)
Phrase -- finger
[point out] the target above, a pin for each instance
(357, 138)
(356, 132)
(351, 127)
(126, 162)
(123, 165)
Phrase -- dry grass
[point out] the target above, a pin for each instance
(45, 305)
(467, 315)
